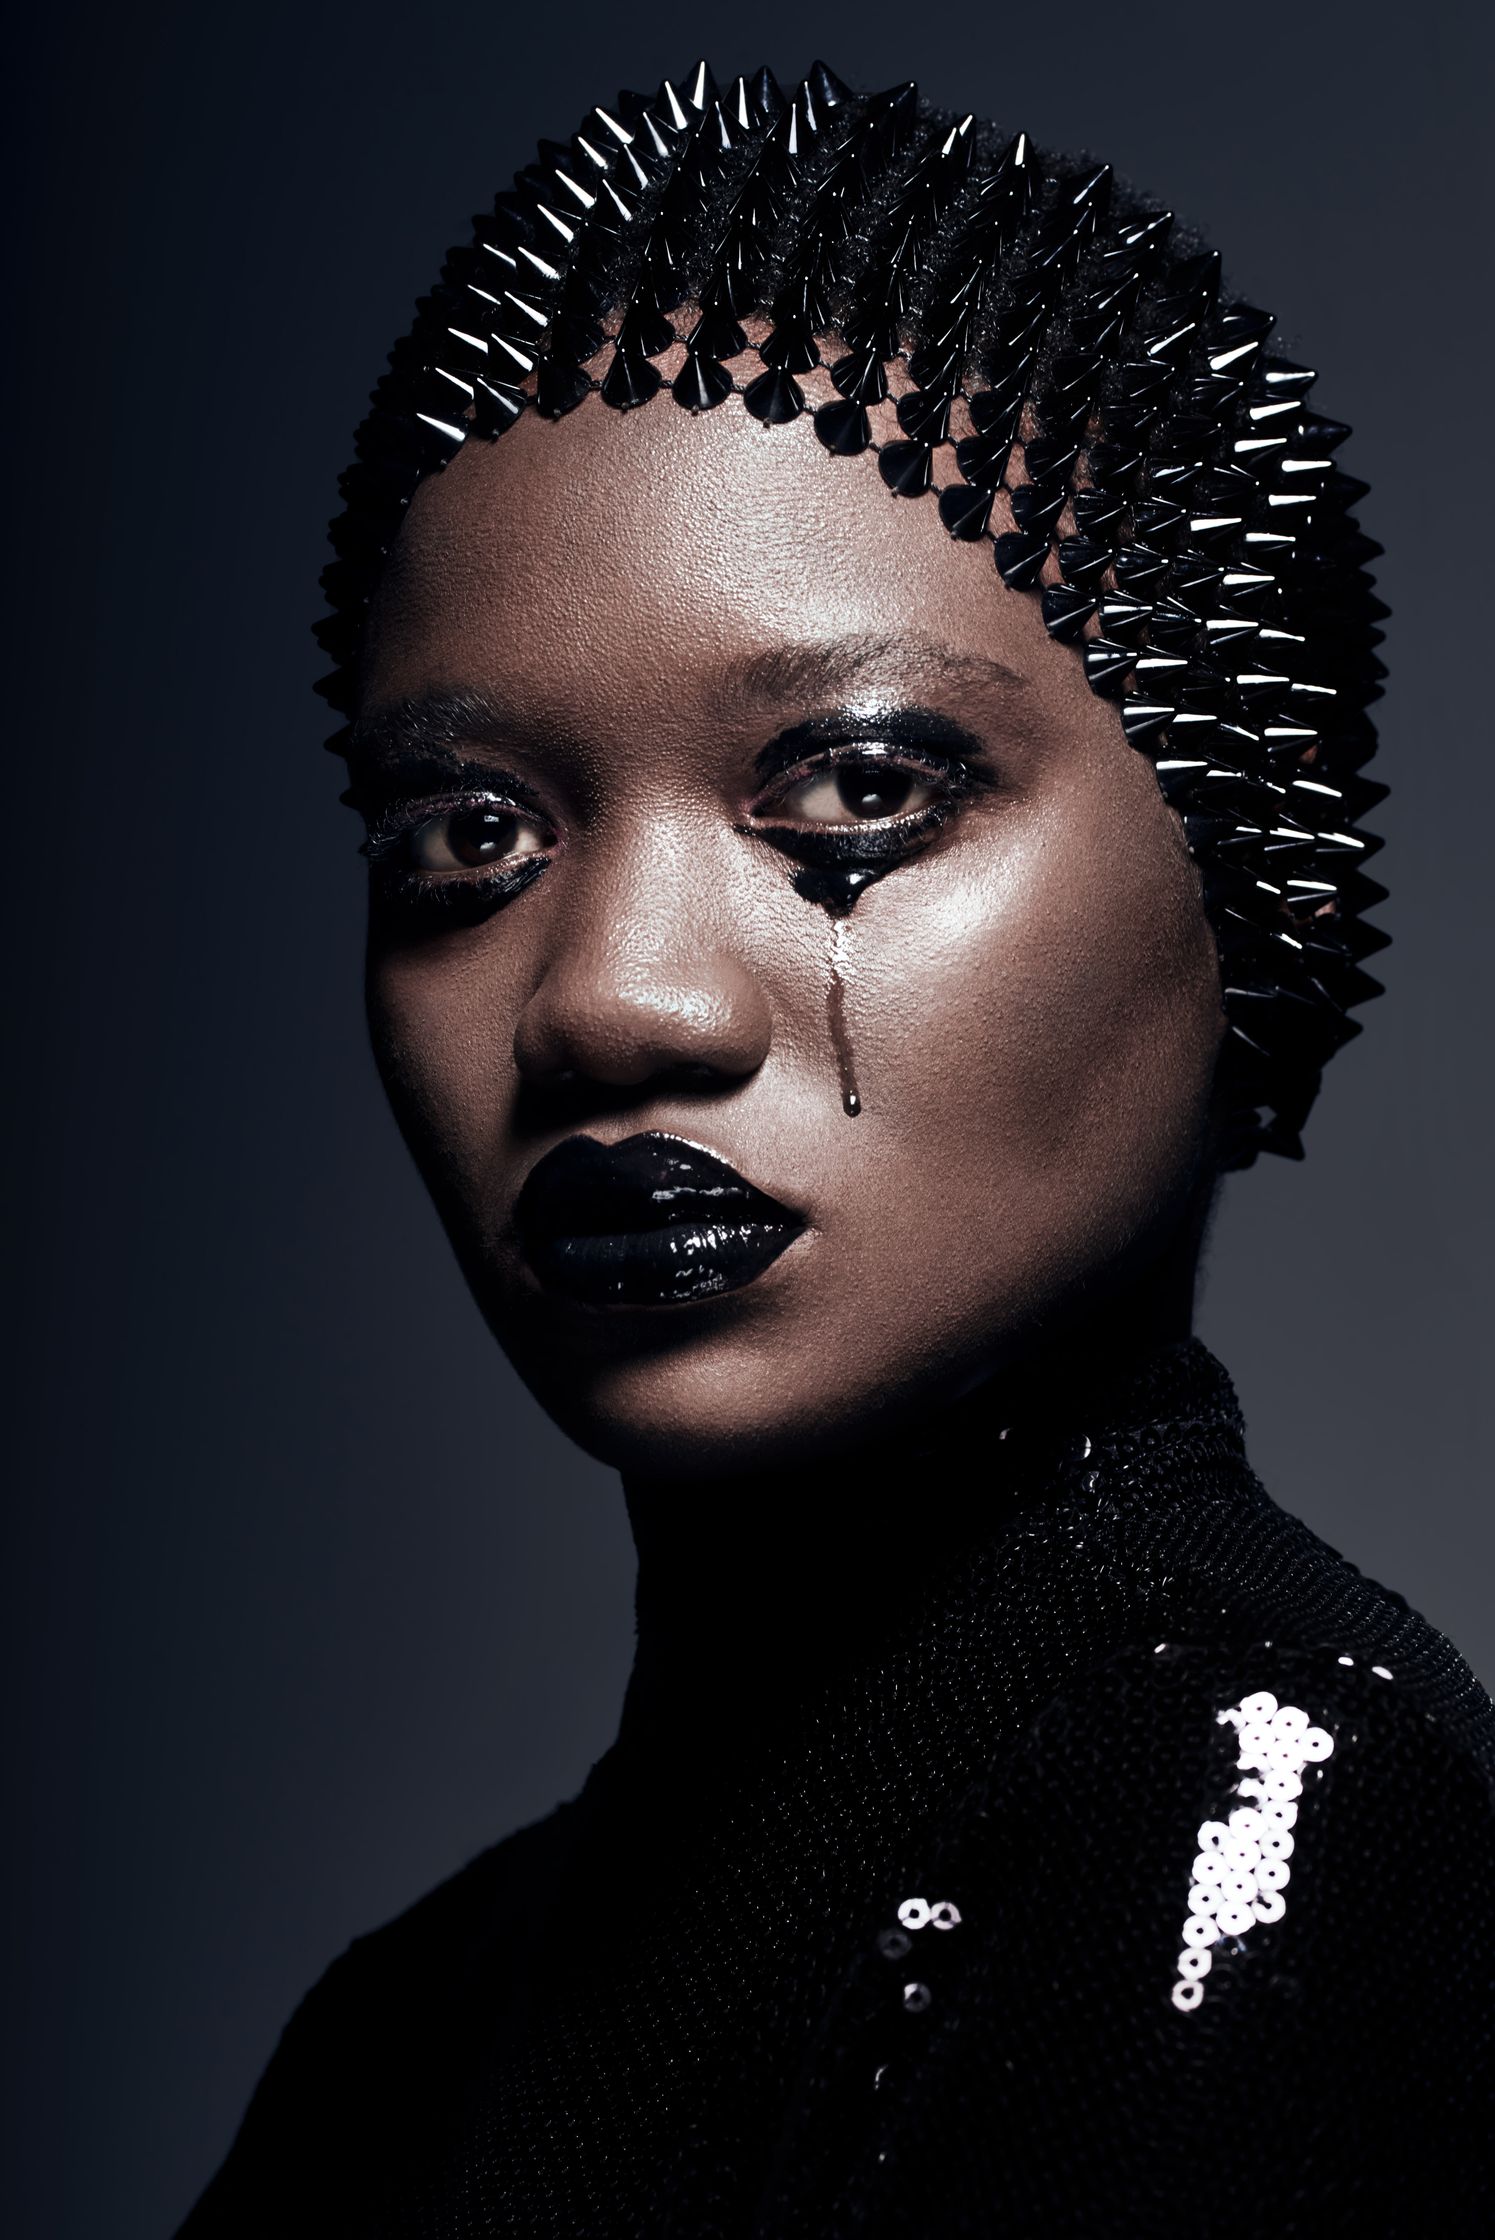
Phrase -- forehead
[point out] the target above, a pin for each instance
(656, 551)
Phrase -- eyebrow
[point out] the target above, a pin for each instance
(835, 666)
(436, 724)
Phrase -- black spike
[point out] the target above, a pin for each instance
(924, 414)
(792, 348)
(767, 96)
(630, 380)
(862, 375)
(1036, 505)
(964, 511)
(1145, 721)
(700, 89)
(843, 427)
(1066, 611)
(998, 411)
(701, 383)
(1175, 628)
(1124, 619)
(1096, 511)
(1140, 570)
(983, 460)
(559, 389)
(774, 397)
(1020, 555)
(1050, 458)
(716, 334)
(1108, 666)
(1158, 520)
(830, 92)
(1278, 377)
(905, 468)
(1083, 561)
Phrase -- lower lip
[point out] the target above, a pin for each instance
(667, 1267)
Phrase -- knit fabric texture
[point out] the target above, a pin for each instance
(912, 1959)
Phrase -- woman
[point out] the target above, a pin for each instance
(824, 950)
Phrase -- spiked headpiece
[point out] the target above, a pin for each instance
(1045, 357)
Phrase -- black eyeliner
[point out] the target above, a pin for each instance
(406, 814)
(855, 847)
(912, 728)
(435, 904)
(414, 785)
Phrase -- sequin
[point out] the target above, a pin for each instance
(1240, 1870)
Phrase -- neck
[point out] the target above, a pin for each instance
(755, 1590)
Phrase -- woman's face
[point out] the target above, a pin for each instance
(642, 690)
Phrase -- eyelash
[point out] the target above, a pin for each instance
(468, 898)
(881, 839)
(452, 898)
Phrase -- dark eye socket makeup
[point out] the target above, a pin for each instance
(460, 835)
(449, 840)
(870, 787)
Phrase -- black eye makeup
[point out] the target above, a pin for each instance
(455, 861)
(869, 788)
(451, 840)
(861, 785)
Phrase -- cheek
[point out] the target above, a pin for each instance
(1046, 1000)
(442, 1028)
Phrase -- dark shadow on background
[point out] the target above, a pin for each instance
(309, 1603)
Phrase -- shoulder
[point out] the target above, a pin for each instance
(1339, 1774)
(376, 2046)
(1230, 1907)
(424, 1963)
(1219, 1598)
(1204, 1559)
(1344, 1790)
(1330, 1746)
(465, 1921)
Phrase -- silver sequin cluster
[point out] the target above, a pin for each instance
(915, 1914)
(1241, 1871)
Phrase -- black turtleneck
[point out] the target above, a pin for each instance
(755, 1593)
(984, 1675)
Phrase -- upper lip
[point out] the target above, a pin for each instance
(649, 1181)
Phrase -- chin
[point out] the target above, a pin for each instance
(707, 1413)
(678, 1394)
(733, 1400)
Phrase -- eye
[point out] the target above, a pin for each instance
(864, 788)
(475, 837)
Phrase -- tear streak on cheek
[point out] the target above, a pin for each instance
(835, 1006)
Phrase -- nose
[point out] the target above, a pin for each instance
(644, 984)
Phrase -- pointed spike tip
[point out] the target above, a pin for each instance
(829, 91)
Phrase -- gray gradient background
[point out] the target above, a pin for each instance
(308, 1602)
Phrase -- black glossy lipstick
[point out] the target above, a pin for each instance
(653, 1221)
